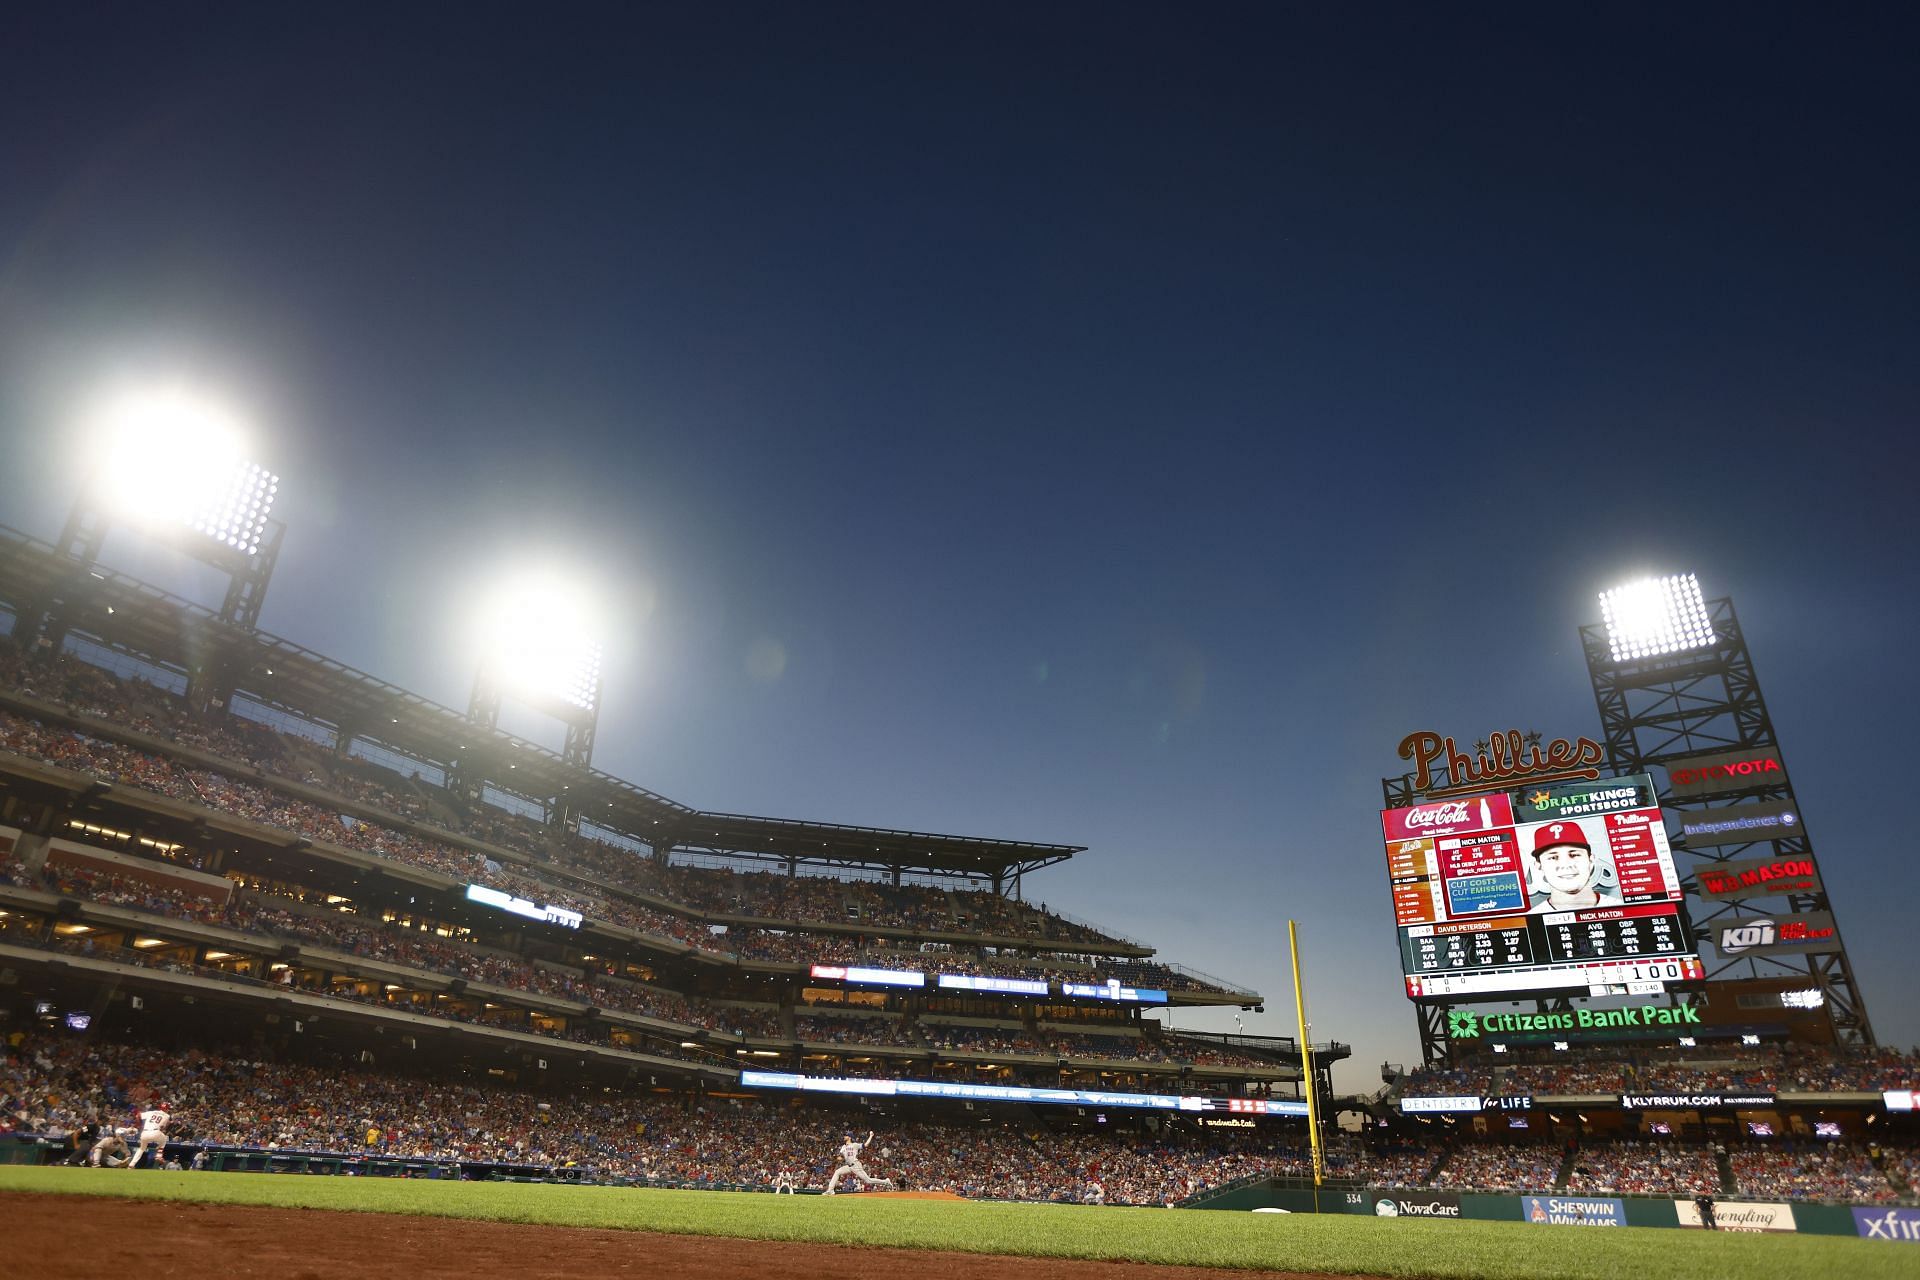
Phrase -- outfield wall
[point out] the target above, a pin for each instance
(1560, 1208)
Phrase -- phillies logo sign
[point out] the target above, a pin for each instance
(1503, 758)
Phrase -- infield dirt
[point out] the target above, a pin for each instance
(56, 1237)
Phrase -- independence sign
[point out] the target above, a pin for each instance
(1741, 824)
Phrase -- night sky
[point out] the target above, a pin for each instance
(1106, 424)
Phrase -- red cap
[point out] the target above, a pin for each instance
(1554, 834)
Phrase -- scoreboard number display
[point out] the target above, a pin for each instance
(1567, 888)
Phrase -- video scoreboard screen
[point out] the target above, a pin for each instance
(1546, 889)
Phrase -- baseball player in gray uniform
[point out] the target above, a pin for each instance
(850, 1164)
(111, 1150)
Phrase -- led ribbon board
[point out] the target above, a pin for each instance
(1006, 986)
(1475, 1103)
(1019, 1093)
(521, 907)
(1113, 991)
(1690, 1101)
(868, 977)
(1568, 887)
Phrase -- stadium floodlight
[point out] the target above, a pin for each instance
(539, 643)
(1656, 616)
(173, 460)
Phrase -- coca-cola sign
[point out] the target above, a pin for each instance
(1504, 758)
(1448, 817)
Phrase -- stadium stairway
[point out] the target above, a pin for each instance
(1890, 1171)
(1724, 1163)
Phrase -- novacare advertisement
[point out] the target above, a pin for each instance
(1731, 1215)
(1414, 1204)
(1574, 1211)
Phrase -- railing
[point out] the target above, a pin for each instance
(1111, 935)
(1200, 975)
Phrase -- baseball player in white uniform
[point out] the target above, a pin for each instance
(783, 1181)
(850, 1164)
(153, 1135)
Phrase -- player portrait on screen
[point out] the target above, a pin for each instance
(1564, 874)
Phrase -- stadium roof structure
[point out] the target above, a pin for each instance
(163, 631)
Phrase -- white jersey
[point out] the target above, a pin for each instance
(154, 1121)
(850, 1152)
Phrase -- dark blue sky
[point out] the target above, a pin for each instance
(1125, 422)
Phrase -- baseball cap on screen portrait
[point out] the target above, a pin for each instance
(1553, 835)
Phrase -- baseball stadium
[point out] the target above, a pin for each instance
(277, 935)
(664, 639)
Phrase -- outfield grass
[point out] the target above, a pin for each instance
(1295, 1242)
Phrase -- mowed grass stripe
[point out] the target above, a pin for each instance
(1294, 1242)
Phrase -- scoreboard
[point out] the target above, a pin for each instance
(1547, 889)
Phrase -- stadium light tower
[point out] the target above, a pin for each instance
(540, 647)
(173, 465)
(1676, 689)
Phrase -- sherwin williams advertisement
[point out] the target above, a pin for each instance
(1574, 1211)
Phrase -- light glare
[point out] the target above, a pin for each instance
(174, 460)
(538, 641)
(1656, 616)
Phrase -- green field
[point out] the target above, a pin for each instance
(1297, 1242)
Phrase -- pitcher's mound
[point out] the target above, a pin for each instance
(909, 1195)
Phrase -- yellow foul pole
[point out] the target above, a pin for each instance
(1306, 1057)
